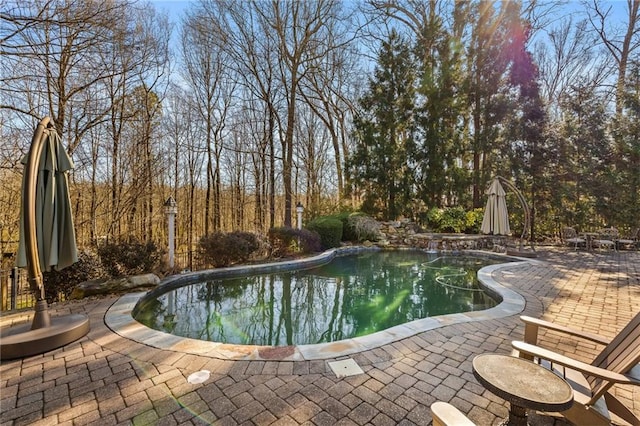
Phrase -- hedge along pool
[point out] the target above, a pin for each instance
(350, 296)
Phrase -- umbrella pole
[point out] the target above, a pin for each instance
(527, 217)
(41, 317)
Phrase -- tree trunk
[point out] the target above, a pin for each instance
(272, 168)
(287, 151)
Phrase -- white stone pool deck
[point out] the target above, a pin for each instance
(110, 377)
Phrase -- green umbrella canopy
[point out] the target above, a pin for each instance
(54, 222)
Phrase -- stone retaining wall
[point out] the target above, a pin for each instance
(404, 233)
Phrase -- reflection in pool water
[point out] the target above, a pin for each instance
(350, 296)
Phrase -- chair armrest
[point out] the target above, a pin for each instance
(562, 329)
(634, 373)
(445, 414)
(584, 368)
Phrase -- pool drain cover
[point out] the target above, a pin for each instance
(344, 368)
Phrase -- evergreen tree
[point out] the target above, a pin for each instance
(626, 133)
(489, 91)
(441, 177)
(586, 152)
(527, 148)
(382, 162)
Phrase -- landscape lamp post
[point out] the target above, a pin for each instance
(171, 209)
(299, 209)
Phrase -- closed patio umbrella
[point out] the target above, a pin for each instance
(55, 235)
(47, 241)
(496, 217)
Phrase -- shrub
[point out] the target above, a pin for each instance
(129, 258)
(88, 267)
(359, 227)
(434, 219)
(474, 221)
(348, 231)
(330, 230)
(224, 249)
(286, 241)
(454, 219)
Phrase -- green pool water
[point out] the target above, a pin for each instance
(353, 295)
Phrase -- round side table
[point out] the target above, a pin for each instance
(524, 384)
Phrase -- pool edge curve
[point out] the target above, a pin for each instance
(119, 318)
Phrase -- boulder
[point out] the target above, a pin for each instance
(102, 286)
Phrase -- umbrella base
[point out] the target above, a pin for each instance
(21, 341)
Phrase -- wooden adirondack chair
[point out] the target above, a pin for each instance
(445, 414)
(617, 363)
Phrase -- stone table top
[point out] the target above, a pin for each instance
(522, 382)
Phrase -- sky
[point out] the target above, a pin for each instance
(618, 14)
(175, 8)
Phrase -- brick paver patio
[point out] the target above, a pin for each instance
(106, 379)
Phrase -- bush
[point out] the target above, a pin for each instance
(348, 232)
(359, 227)
(330, 230)
(129, 258)
(474, 221)
(454, 219)
(433, 219)
(224, 249)
(88, 267)
(286, 241)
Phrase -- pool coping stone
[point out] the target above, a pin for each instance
(119, 317)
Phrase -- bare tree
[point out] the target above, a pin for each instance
(153, 33)
(256, 123)
(236, 162)
(312, 157)
(54, 48)
(78, 61)
(193, 165)
(564, 58)
(302, 32)
(327, 94)
(207, 74)
(621, 39)
(253, 53)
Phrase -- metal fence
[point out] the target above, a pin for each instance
(188, 261)
(16, 294)
(15, 291)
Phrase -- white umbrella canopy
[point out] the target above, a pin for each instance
(496, 217)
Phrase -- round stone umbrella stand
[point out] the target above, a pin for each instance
(44, 333)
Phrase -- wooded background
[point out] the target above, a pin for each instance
(240, 109)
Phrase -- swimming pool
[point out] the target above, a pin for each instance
(353, 295)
